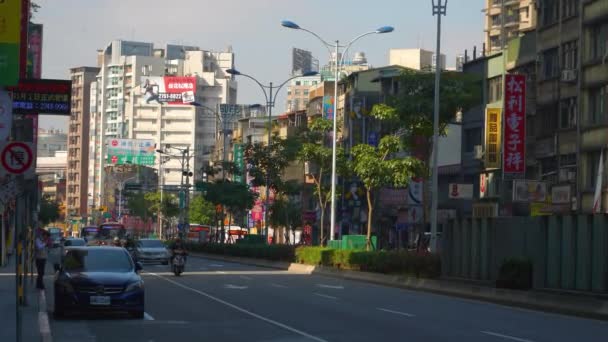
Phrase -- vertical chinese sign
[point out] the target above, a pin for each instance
(493, 129)
(514, 151)
(238, 163)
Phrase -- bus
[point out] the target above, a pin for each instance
(89, 233)
(109, 230)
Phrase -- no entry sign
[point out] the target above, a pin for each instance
(17, 158)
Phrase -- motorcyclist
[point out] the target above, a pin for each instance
(178, 247)
(116, 242)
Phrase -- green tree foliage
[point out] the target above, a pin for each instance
(269, 162)
(378, 167)
(286, 213)
(201, 210)
(148, 204)
(411, 111)
(319, 156)
(49, 210)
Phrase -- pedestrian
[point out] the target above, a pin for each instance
(43, 241)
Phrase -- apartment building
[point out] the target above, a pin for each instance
(139, 96)
(78, 141)
(507, 19)
(297, 92)
(417, 59)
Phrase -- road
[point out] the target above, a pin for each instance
(220, 301)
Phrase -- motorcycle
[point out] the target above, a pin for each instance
(179, 262)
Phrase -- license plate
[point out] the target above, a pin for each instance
(100, 300)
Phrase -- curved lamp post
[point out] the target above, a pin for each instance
(270, 97)
(338, 65)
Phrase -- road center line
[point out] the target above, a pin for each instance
(147, 317)
(245, 311)
(324, 295)
(397, 312)
(512, 338)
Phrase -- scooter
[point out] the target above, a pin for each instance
(179, 262)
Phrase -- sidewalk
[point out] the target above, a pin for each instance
(31, 315)
(563, 303)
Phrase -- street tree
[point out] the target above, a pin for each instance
(49, 210)
(202, 211)
(379, 167)
(287, 213)
(235, 197)
(319, 156)
(267, 163)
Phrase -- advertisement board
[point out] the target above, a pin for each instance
(301, 61)
(514, 151)
(239, 163)
(493, 138)
(133, 151)
(561, 194)
(529, 191)
(10, 40)
(460, 191)
(173, 90)
(328, 107)
(42, 96)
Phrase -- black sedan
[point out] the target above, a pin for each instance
(99, 279)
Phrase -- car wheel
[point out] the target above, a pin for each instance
(137, 314)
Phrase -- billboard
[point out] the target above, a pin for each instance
(301, 61)
(173, 90)
(493, 139)
(131, 151)
(328, 107)
(34, 53)
(239, 163)
(10, 41)
(529, 191)
(460, 191)
(44, 96)
(514, 150)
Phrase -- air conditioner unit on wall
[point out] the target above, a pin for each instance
(568, 75)
(478, 152)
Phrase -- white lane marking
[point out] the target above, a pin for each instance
(245, 311)
(220, 272)
(246, 277)
(235, 287)
(324, 295)
(507, 337)
(336, 287)
(216, 265)
(278, 285)
(147, 317)
(397, 312)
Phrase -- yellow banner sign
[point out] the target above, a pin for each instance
(10, 21)
(493, 138)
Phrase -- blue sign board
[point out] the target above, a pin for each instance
(372, 139)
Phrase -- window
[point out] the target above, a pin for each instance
(547, 119)
(297, 92)
(495, 89)
(495, 19)
(495, 42)
(599, 39)
(593, 161)
(598, 106)
(298, 83)
(550, 64)
(525, 13)
(569, 8)
(570, 55)
(568, 111)
(472, 137)
(306, 92)
(549, 12)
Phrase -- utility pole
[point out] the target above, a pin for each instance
(439, 9)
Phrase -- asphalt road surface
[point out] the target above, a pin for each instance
(220, 301)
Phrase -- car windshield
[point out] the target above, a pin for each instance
(150, 244)
(75, 242)
(98, 260)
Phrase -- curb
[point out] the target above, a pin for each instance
(43, 318)
(573, 305)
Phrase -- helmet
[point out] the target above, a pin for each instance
(116, 239)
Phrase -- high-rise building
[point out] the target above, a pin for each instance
(507, 19)
(417, 59)
(51, 141)
(78, 141)
(139, 94)
(297, 92)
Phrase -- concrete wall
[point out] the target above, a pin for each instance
(568, 252)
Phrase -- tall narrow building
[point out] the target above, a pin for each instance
(78, 141)
(507, 19)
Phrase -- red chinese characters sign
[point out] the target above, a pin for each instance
(514, 148)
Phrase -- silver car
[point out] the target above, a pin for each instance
(152, 251)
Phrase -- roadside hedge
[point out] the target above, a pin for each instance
(258, 251)
(388, 262)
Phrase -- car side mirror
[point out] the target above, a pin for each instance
(138, 266)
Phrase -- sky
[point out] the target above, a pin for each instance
(75, 29)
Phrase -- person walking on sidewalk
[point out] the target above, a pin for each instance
(43, 240)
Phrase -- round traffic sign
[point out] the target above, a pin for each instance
(114, 159)
(114, 142)
(17, 157)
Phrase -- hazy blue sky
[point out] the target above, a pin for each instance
(75, 29)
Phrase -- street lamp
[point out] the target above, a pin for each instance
(269, 96)
(184, 188)
(338, 65)
(439, 9)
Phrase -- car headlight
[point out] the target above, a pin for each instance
(138, 285)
